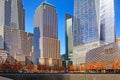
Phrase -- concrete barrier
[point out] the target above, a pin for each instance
(3, 78)
(62, 76)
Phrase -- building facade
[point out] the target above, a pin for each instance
(12, 14)
(31, 45)
(105, 54)
(107, 21)
(79, 52)
(5, 12)
(3, 56)
(17, 15)
(16, 43)
(69, 37)
(85, 29)
(46, 43)
(30, 49)
(2, 37)
(117, 39)
(12, 26)
(19, 44)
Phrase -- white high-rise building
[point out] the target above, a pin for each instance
(5, 12)
(2, 37)
(17, 15)
(12, 14)
(107, 21)
(85, 29)
(13, 38)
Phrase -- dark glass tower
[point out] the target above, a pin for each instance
(69, 37)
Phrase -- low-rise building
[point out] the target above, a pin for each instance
(117, 39)
(79, 52)
(107, 54)
(3, 56)
(17, 43)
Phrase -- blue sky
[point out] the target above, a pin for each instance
(62, 7)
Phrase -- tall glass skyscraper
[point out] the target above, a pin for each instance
(17, 15)
(5, 12)
(69, 37)
(12, 14)
(85, 29)
(12, 28)
(107, 21)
